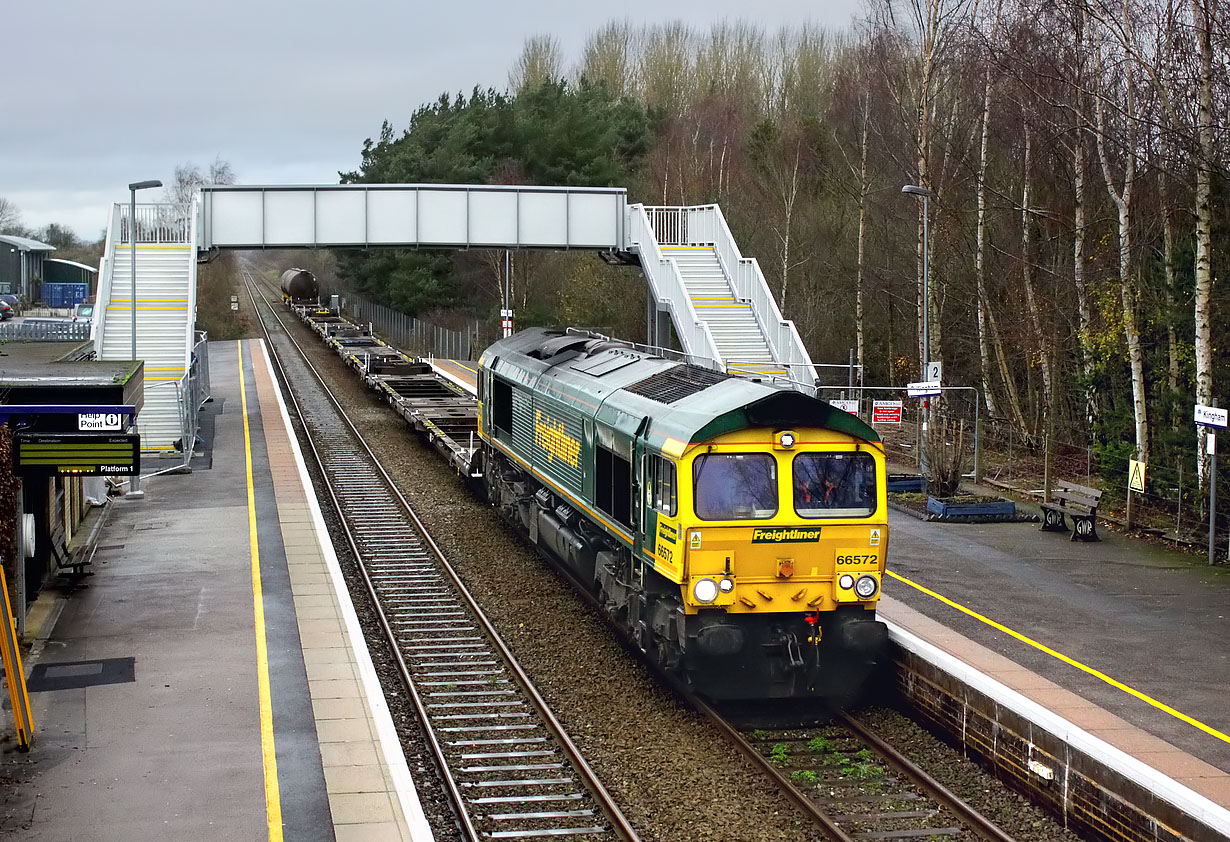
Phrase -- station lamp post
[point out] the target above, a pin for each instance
(915, 190)
(134, 490)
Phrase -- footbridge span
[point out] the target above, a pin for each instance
(716, 299)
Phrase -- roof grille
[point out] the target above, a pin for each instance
(675, 384)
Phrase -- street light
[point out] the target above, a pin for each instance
(134, 490)
(915, 190)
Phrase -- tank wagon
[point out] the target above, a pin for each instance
(736, 530)
(300, 285)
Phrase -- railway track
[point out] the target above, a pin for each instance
(854, 784)
(509, 767)
(850, 783)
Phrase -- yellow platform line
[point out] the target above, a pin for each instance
(177, 247)
(273, 795)
(1041, 647)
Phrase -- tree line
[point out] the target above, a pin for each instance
(1074, 151)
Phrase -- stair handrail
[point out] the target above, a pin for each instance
(666, 283)
(750, 283)
(706, 225)
(190, 320)
(106, 269)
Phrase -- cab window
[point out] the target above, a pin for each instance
(735, 486)
(834, 485)
(660, 492)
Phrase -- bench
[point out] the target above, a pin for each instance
(1078, 501)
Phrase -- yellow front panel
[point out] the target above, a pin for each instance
(784, 563)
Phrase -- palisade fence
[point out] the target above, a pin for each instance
(414, 335)
(1173, 504)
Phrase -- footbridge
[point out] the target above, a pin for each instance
(716, 299)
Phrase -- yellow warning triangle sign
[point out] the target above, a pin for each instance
(1136, 476)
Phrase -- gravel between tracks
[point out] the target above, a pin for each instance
(672, 773)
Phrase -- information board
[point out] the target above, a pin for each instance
(78, 454)
(846, 406)
(886, 412)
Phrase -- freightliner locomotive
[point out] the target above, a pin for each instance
(737, 530)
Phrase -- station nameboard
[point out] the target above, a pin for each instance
(78, 454)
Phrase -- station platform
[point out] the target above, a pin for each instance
(1124, 639)
(211, 682)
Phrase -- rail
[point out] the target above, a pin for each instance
(455, 666)
(665, 280)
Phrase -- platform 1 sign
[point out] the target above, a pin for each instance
(846, 406)
(886, 412)
(77, 454)
(1212, 416)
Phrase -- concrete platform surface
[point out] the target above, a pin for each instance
(220, 721)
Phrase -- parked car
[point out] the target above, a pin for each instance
(13, 301)
(83, 312)
(6, 311)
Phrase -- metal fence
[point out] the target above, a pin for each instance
(156, 223)
(45, 331)
(415, 335)
(1174, 504)
(192, 392)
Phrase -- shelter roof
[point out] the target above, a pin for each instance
(72, 263)
(25, 243)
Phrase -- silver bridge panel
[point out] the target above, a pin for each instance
(430, 215)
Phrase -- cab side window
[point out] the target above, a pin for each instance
(660, 487)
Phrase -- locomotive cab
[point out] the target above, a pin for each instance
(777, 539)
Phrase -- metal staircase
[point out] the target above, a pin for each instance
(166, 313)
(719, 301)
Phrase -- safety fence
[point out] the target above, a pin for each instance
(415, 335)
(192, 392)
(994, 452)
(45, 331)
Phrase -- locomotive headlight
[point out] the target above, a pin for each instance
(866, 587)
(726, 585)
(785, 440)
(845, 582)
(705, 590)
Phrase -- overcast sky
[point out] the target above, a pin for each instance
(102, 94)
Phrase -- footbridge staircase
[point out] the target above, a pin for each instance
(163, 242)
(718, 300)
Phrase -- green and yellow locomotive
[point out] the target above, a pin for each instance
(736, 529)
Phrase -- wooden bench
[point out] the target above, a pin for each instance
(1078, 501)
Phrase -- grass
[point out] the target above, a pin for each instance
(779, 755)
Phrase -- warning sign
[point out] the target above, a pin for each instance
(1136, 476)
(886, 412)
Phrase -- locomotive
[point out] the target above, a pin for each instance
(735, 529)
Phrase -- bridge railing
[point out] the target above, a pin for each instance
(706, 225)
(157, 223)
(664, 277)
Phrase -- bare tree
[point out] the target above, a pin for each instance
(541, 60)
(609, 58)
(10, 217)
(1119, 83)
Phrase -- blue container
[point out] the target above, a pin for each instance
(989, 508)
(64, 296)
